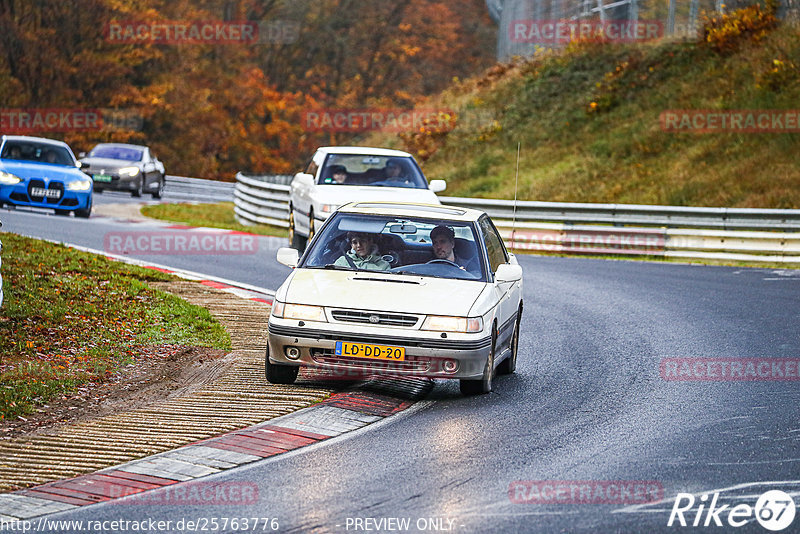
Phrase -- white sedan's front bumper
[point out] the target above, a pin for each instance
(426, 353)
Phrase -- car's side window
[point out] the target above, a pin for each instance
(311, 168)
(494, 244)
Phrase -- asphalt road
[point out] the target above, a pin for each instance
(587, 404)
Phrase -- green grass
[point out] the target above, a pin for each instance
(219, 215)
(587, 118)
(71, 318)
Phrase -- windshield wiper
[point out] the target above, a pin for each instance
(333, 266)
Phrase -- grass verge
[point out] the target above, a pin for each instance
(218, 215)
(71, 319)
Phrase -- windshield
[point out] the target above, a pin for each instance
(37, 152)
(398, 245)
(379, 171)
(116, 152)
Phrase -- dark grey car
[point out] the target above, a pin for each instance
(124, 167)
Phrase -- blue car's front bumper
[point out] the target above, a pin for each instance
(57, 196)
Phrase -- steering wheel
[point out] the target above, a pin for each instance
(447, 262)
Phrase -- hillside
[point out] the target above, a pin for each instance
(587, 118)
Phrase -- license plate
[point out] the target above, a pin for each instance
(41, 192)
(102, 177)
(368, 350)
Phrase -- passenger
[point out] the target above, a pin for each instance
(444, 242)
(339, 174)
(50, 156)
(363, 254)
(14, 153)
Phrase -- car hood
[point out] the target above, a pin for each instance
(342, 194)
(382, 292)
(44, 171)
(107, 163)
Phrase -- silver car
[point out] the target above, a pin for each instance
(124, 167)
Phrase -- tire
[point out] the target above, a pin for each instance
(279, 374)
(311, 230)
(482, 385)
(84, 213)
(295, 240)
(509, 365)
(158, 192)
(138, 191)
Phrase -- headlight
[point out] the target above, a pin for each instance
(129, 171)
(298, 311)
(80, 185)
(453, 324)
(9, 179)
(329, 208)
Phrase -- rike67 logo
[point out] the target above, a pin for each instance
(774, 510)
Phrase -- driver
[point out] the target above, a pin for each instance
(394, 171)
(363, 254)
(444, 242)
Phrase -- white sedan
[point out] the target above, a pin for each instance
(399, 289)
(338, 175)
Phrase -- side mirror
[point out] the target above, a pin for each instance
(303, 178)
(288, 257)
(508, 272)
(437, 185)
(83, 165)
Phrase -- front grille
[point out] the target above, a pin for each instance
(416, 365)
(51, 194)
(382, 319)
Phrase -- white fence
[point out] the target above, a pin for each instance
(742, 234)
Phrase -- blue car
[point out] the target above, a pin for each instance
(43, 173)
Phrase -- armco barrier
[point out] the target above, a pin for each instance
(741, 234)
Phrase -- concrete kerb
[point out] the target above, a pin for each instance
(364, 404)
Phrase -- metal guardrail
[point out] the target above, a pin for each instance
(197, 189)
(739, 234)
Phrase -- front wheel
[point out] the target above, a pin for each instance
(509, 365)
(84, 213)
(160, 190)
(484, 384)
(280, 374)
(137, 192)
(295, 240)
(310, 227)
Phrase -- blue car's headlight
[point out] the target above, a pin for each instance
(79, 185)
(7, 178)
